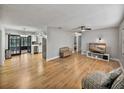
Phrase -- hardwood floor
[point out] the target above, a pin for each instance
(31, 71)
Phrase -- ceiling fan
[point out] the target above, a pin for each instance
(83, 28)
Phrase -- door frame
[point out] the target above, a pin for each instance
(76, 37)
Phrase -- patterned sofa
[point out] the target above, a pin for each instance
(101, 80)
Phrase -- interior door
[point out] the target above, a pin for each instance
(79, 44)
(44, 47)
(75, 44)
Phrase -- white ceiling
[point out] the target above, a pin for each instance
(66, 16)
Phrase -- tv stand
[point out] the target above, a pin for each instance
(98, 56)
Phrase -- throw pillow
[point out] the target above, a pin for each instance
(119, 82)
(110, 77)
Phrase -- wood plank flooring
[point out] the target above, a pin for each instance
(31, 71)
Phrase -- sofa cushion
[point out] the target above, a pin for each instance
(115, 73)
(95, 80)
(119, 82)
(110, 77)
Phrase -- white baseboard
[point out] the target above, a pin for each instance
(52, 58)
(115, 59)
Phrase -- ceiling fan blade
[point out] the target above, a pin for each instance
(83, 28)
(88, 29)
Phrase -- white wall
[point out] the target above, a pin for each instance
(1, 37)
(57, 38)
(109, 35)
(2, 46)
(121, 57)
(6, 41)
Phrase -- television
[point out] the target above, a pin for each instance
(97, 47)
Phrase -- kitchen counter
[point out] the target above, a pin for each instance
(36, 48)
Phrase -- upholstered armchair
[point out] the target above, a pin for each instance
(65, 51)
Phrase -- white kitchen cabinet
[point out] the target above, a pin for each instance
(34, 38)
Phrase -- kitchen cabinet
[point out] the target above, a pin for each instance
(34, 38)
